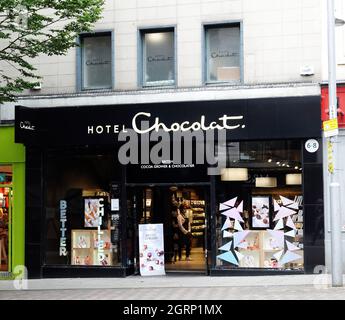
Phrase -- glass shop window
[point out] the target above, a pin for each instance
(82, 210)
(260, 206)
(96, 61)
(158, 58)
(6, 199)
(223, 50)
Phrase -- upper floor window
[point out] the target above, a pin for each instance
(223, 53)
(96, 61)
(158, 57)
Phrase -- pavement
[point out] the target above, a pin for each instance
(174, 287)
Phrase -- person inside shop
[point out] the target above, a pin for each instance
(175, 232)
(185, 235)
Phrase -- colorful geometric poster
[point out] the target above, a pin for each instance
(151, 250)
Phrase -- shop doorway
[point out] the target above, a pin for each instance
(183, 211)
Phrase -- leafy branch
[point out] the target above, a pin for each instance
(29, 28)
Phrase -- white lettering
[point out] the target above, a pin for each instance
(63, 229)
(225, 122)
(63, 251)
(26, 125)
(134, 124)
(99, 129)
(225, 119)
(185, 126)
(100, 247)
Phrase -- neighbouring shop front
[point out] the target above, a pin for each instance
(240, 193)
(12, 205)
(340, 164)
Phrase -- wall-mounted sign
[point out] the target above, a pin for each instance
(330, 127)
(151, 250)
(115, 227)
(26, 125)
(312, 145)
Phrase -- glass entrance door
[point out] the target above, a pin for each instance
(183, 212)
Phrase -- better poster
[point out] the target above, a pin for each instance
(151, 250)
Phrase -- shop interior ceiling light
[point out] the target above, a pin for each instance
(294, 179)
(234, 174)
(266, 182)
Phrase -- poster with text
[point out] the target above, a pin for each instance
(151, 250)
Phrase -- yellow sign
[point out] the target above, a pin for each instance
(330, 127)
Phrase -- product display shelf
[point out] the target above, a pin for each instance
(198, 223)
(259, 252)
(85, 249)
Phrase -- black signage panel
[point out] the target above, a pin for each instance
(247, 119)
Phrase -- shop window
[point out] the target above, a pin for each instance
(158, 57)
(5, 214)
(223, 53)
(96, 61)
(83, 211)
(260, 211)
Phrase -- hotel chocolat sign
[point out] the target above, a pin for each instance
(247, 119)
(159, 58)
(223, 54)
(96, 61)
(224, 122)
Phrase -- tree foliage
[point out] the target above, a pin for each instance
(29, 28)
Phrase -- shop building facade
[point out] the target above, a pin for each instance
(266, 220)
(235, 58)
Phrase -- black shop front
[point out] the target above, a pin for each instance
(245, 174)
